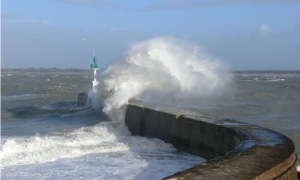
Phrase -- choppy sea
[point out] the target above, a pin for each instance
(46, 135)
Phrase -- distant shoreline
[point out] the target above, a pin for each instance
(32, 69)
(44, 70)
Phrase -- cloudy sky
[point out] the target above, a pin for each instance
(245, 35)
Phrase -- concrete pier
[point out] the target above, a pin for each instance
(234, 150)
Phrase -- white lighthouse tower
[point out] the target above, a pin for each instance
(95, 68)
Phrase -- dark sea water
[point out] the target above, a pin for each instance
(269, 99)
(42, 127)
(46, 135)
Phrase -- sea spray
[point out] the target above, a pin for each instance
(161, 69)
(102, 138)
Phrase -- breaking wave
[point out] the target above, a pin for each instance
(161, 69)
(101, 138)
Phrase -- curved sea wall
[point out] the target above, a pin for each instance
(234, 150)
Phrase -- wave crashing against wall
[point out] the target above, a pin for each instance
(162, 69)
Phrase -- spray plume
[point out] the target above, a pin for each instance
(161, 69)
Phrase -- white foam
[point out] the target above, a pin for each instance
(162, 68)
(22, 97)
(98, 139)
(145, 164)
(104, 151)
(275, 80)
(48, 148)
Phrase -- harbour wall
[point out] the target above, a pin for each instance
(234, 150)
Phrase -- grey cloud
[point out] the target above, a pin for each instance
(10, 18)
(278, 52)
(264, 30)
(198, 4)
(97, 3)
(297, 28)
(36, 44)
(20, 22)
(40, 45)
(6, 16)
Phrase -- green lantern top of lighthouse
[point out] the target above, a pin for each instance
(95, 64)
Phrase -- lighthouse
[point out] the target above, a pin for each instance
(94, 67)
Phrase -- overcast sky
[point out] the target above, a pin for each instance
(244, 34)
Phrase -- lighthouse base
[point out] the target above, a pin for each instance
(95, 83)
(82, 98)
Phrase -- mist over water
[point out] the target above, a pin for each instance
(162, 69)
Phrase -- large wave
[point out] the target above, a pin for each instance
(162, 69)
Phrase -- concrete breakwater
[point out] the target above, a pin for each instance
(234, 150)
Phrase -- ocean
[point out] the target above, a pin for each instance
(46, 135)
